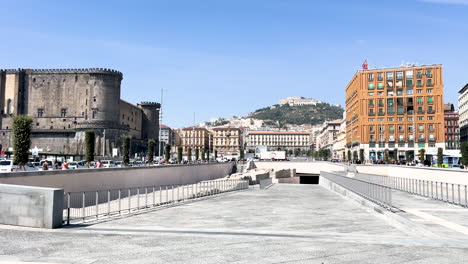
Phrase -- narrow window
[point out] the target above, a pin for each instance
(40, 112)
(63, 112)
(9, 107)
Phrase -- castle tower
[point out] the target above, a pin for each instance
(150, 126)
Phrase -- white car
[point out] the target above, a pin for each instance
(7, 166)
(73, 165)
(108, 164)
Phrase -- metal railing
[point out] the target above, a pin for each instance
(443, 191)
(94, 205)
(377, 193)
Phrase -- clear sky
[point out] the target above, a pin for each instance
(231, 57)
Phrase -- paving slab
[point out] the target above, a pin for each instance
(283, 224)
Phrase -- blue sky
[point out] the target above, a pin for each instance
(230, 57)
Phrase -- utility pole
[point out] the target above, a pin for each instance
(160, 124)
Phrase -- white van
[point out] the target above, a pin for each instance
(108, 163)
(7, 166)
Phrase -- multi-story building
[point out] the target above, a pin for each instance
(396, 109)
(194, 138)
(227, 141)
(328, 135)
(463, 113)
(64, 103)
(339, 144)
(279, 140)
(167, 135)
(298, 101)
(452, 130)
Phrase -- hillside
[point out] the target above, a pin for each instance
(297, 115)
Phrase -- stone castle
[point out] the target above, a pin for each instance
(64, 103)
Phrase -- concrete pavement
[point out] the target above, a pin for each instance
(283, 224)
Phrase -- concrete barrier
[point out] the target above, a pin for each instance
(115, 178)
(456, 176)
(292, 180)
(311, 167)
(265, 183)
(31, 206)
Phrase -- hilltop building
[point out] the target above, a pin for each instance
(298, 101)
(64, 103)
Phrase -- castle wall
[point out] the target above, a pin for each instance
(66, 102)
(131, 117)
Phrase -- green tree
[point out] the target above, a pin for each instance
(197, 154)
(386, 155)
(167, 152)
(151, 151)
(21, 139)
(297, 152)
(422, 153)
(189, 154)
(126, 151)
(203, 155)
(361, 155)
(408, 156)
(440, 157)
(241, 154)
(179, 154)
(464, 152)
(90, 141)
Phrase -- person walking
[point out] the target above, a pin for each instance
(45, 166)
(64, 165)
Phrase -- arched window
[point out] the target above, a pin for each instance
(9, 107)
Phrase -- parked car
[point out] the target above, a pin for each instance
(118, 164)
(108, 163)
(73, 165)
(7, 166)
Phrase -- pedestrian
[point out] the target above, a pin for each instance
(56, 165)
(65, 165)
(45, 166)
(99, 164)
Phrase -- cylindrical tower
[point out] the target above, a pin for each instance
(150, 126)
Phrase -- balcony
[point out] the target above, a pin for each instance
(430, 103)
(401, 140)
(430, 84)
(390, 112)
(421, 139)
(371, 114)
(410, 140)
(381, 140)
(400, 112)
(410, 112)
(381, 105)
(391, 139)
(381, 113)
(372, 140)
(430, 111)
(433, 139)
(420, 112)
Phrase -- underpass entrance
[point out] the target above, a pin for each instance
(308, 178)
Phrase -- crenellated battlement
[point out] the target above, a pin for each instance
(66, 71)
(154, 104)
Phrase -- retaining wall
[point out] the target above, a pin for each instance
(115, 178)
(456, 176)
(31, 206)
